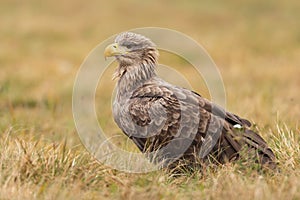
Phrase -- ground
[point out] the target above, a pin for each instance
(255, 44)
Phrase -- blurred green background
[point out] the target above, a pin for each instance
(255, 44)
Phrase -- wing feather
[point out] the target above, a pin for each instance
(161, 114)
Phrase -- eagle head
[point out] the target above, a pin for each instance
(132, 49)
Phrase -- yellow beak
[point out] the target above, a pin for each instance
(113, 50)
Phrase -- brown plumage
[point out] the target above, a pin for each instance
(170, 123)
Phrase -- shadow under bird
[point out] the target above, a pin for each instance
(171, 124)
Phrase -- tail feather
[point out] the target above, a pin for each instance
(233, 142)
(256, 141)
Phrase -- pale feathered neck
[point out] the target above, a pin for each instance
(133, 73)
(134, 76)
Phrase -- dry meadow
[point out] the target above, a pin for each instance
(255, 44)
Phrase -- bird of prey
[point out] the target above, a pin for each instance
(171, 124)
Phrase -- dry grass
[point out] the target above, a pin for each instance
(254, 43)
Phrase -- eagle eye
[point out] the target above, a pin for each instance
(129, 46)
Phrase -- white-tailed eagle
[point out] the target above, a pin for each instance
(169, 123)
